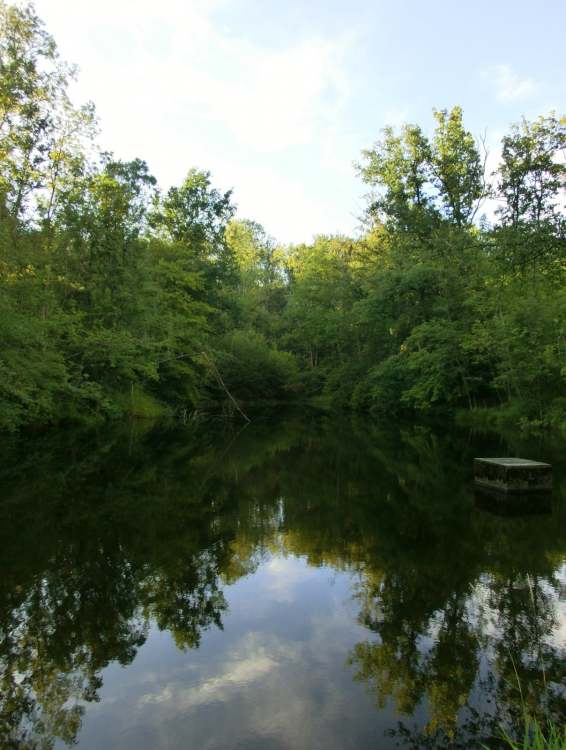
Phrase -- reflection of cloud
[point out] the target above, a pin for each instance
(284, 574)
(558, 637)
(237, 674)
(251, 686)
(264, 691)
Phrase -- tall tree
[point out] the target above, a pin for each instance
(398, 168)
(196, 215)
(457, 166)
(34, 107)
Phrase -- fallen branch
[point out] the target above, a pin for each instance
(208, 359)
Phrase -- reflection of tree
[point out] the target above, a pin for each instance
(56, 637)
(186, 601)
(452, 668)
(531, 670)
(432, 655)
(102, 538)
(418, 654)
(89, 565)
(398, 512)
(74, 621)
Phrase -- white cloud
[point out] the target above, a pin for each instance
(176, 86)
(290, 207)
(181, 70)
(277, 99)
(509, 85)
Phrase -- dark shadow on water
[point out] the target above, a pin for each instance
(504, 504)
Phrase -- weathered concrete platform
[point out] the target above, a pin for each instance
(513, 475)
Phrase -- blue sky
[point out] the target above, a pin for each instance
(277, 98)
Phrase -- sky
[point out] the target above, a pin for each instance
(277, 98)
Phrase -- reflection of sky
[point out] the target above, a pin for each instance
(558, 638)
(276, 677)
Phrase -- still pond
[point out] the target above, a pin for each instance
(299, 584)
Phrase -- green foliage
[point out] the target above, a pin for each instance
(535, 737)
(399, 167)
(322, 291)
(457, 167)
(105, 289)
(252, 369)
(418, 181)
(531, 176)
(143, 405)
(109, 284)
(454, 315)
(433, 359)
(195, 215)
(386, 385)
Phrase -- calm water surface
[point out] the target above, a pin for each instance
(302, 584)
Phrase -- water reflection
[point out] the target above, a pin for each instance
(449, 616)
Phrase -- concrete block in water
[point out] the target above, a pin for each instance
(513, 474)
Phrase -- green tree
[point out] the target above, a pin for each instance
(459, 173)
(35, 111)
(399, 168)
(196, 215)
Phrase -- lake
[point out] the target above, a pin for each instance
(299, 583)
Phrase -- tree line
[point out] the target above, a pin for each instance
(118, 297)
